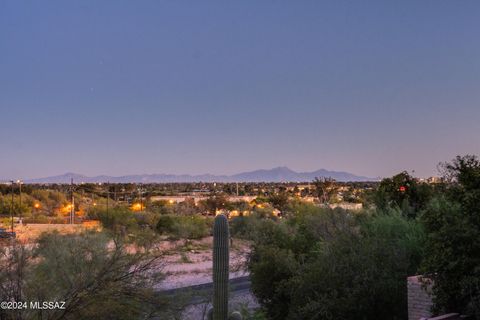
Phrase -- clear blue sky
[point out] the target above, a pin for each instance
(122, 87)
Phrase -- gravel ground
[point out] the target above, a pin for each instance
(238, 302)
(187, 268)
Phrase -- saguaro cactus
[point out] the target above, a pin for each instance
(221, 255)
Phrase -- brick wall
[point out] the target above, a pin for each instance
(419, 298)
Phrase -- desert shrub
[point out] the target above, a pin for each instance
(244, 226)
(240, 227)
(37, 219)
(5, 222)
(160, 207)
(184, 227)
(115, 218)
(186, 207)
(300, 208)
(247, 227)
(42, 218)
(165, 223)
(146, 219)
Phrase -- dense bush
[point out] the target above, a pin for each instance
(184, 227)
(19, 208)
(246, 227)
(43, 219)
(240, 227)
(115, 218)
(165, 224)
(160, 207)
(331, 264)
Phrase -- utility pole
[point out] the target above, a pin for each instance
(11, 207)
(140, 196)
(108, 183)
(72, 210)
(20, 200)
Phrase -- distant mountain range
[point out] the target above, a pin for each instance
(279, 174)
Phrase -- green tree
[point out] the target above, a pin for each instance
(50, 200)
(24, 207)
(403, 191)
(279, 200)
(452, 222)
(326, 188)
(214, 203)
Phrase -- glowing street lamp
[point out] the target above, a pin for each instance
(137, 207)
(36, 206)
(66, 208)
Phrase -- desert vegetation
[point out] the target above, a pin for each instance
(322, 263)
(306, 259)
(92, 275)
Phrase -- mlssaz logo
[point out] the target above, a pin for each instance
(47, 305)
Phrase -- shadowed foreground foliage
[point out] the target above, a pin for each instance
(452, 221)
(330, 264)
(97, 276)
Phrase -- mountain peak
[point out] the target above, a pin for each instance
(282, 168)
(72, 174)
(277, 174)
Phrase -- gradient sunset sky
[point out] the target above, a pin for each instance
(124, 87)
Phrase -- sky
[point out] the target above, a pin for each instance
(221, 87)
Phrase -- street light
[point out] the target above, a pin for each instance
(36, 206)
(137, 207)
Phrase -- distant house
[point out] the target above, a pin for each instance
(196, 198)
